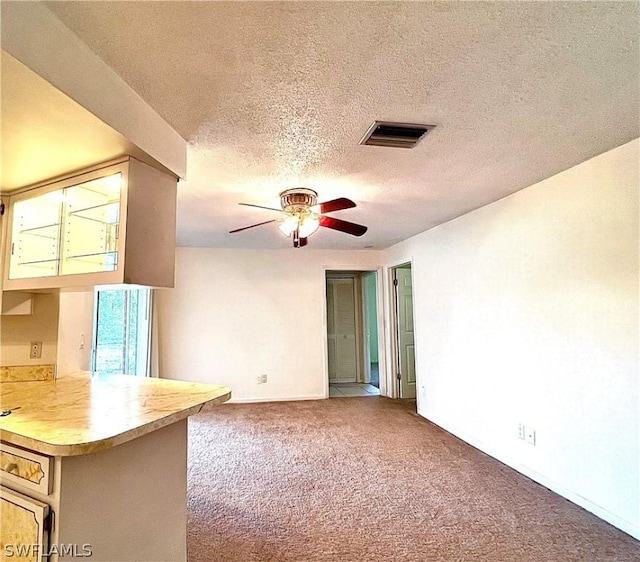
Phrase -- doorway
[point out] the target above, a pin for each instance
(404, 335)
(352, 333)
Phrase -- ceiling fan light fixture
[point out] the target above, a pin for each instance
(298, 197)
(302, 215)
(288, 224)
(302, 220)
(309, 225)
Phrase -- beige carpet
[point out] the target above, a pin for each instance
(365, 480)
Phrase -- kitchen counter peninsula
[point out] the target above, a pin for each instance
(80, 414)
(107, 455)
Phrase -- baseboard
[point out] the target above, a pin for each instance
(276, 399)
(598, 511)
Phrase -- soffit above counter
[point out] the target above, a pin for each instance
(45, 134)
(56, 117)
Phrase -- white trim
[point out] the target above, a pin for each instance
(366, 336)
(559, 489)
(154, 333)
(276, 399)
(325, 343)
(383, 340)
(143, 340)
(393, 333)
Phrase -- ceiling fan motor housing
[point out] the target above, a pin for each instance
(298, 197)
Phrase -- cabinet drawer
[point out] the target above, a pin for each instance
(26, 468)
(24, 526)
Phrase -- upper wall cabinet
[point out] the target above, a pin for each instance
(112, 224)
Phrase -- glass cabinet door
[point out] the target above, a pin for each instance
(35, 236)
(90, 226)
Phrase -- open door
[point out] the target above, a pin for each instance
(406, 360)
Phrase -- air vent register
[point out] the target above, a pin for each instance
(397, 135)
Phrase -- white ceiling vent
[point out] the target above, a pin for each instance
(397, 135)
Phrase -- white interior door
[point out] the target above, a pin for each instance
(406, 339)
(341, 330)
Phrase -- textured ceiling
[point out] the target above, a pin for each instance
(276, 95)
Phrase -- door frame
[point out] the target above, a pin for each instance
(366, 371)
(380, 306)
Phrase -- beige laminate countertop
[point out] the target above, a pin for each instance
(80, 414)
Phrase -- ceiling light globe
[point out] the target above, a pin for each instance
(308, 226)
(288, 224)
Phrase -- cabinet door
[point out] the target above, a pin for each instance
(22, 533)
(91, 223)
(35, 236)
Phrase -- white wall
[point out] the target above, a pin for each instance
(75, 324)
(17, 333)
(58, 320)
(237, 314)
(527, 311)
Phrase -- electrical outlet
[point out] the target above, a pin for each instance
(262, 379)
(521, 431)
(35, 351)
(530, 436)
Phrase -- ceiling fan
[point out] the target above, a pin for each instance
(301, 215)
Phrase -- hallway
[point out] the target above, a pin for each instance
(347, 389)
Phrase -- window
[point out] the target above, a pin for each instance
(122, 331)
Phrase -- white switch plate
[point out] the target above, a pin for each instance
(521, 431)
(262, 379)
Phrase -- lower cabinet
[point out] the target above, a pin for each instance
(125, 503)
(26, 520)
(24, 532)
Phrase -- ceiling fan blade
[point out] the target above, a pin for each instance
(343, 226)
(247, 227)
(335, 205)
(260, 207)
